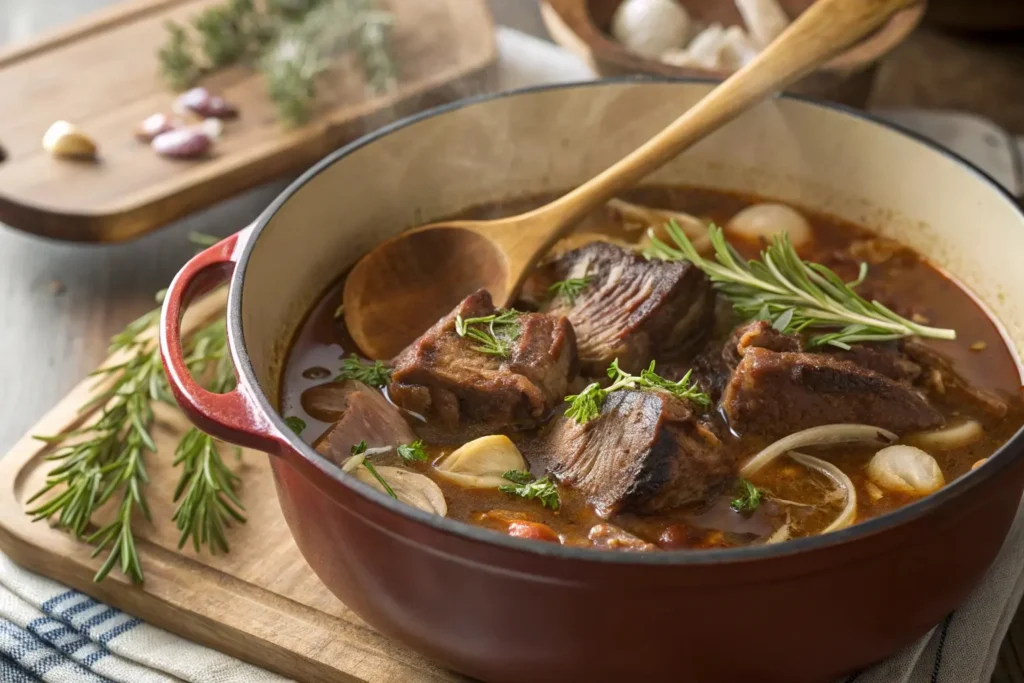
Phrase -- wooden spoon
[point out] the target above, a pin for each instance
(402, 287)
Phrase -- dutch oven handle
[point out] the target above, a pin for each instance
(234, 416)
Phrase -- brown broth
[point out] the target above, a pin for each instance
(905, 282)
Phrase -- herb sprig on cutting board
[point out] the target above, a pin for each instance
(104, 462)
(292, 43)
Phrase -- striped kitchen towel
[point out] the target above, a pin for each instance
(53, 634)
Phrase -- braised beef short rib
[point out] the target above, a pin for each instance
(363, 414)
(458, 388)
(773, 393)
(632, 309)
(645, 452)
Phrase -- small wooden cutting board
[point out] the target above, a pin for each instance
(102, 74)
(260, 602)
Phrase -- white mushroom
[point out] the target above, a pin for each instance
(949, 438)
(905, 469)
(764, 221)
(411, 488)
(481, 463)
(651, 27)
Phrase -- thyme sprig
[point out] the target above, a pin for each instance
(291, 42)
(360, 449)
(106, 458)
(525, 485)
(586, 405)
(493, 334)
(795, 295)
(569, 289)
(374, 374)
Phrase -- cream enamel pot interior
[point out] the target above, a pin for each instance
(505, 609)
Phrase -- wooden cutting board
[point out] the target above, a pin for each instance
(260, 602)
(102, 74)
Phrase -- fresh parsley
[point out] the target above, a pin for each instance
(296, 424)
(412, 452)
(374, 374)
(748, 497)
(493, 334)
(525, 485)
(569, 289)
(794, 294)
(586, 405)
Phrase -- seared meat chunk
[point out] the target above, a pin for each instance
(940, 378)
(363, 414)
(443, 377)
(885, 358)
(759, 334)
(775, 393)
(645, 452)
(631, 308)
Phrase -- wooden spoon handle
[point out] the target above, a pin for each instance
(824, 29)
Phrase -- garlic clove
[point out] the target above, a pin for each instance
(651, 27)
(156, 124)
(905, 469)
(759, 223)
(202, 102)
(411, 488)
(182, 143)
(213, 127)
(482, 463)
(63, 139)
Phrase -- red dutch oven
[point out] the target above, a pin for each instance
(512, 610)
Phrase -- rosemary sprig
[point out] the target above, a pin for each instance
(494, 334)
(107, 457)
(303, 51)
(586, 405)
(794, 294)
(206, 488)
(525, 485)
(179, 67)
(374, 374)
(569, 289)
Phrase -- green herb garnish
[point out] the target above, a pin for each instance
(494, 334)
(748, 497)
(374, 374)
(525, 485)
(794, 294)
(586, 405)
(108, 456)
(296, 424)
(569, 289)
(360, 449)
(293, 43)
(412, 452)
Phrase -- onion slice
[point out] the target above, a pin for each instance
(817, 436)
(849, 513)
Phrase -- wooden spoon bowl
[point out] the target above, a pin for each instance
(402, 287)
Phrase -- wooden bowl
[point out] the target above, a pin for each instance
(583, 27)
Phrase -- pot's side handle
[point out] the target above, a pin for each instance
(234, 416)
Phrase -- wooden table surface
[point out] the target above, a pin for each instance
(59, 303)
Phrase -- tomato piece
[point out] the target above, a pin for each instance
(533, 530)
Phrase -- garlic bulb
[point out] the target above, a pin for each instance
(481, 463)
(651, 27)
(410, 487)
(905, 469)
(761, 222)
